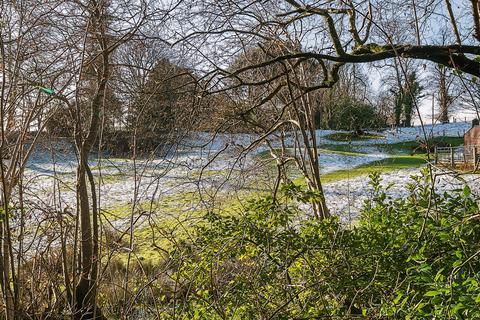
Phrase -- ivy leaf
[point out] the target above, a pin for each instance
(467, 191)
(432, 293)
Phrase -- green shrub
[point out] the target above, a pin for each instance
(412, 258)
(355, 116)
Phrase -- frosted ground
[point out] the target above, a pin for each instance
(223, 163)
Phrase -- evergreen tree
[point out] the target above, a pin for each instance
(406, 97)
(411, 96)
(162, 106)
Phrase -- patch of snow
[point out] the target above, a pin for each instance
(403, 134)
(179, 171)
(346, 197)
(330, 162)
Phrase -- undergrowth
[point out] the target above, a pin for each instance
(407, 258)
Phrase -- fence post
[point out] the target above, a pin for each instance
(452, 158)
(435, 161)
(475, 155)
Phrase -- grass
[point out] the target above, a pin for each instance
(172, 219)
(409, 147)
(349, 153)
(384, 165)
(111, 178)
(402, 157)
(120, 211)
(174, 215)
(267, 155)
(403, 148)
(210, 173)
(351, 136)
(451, 141)
(340, 149)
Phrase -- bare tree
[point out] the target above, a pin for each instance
(27, 74)
(262, 67)
(445, 95)
(328, 35)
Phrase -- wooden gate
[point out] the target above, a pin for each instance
(454, 156)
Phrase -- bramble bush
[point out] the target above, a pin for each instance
(406, 258)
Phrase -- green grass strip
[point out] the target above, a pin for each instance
(384, 165)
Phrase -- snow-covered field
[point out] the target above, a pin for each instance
(50, 175)
(405, 134)
(330, 162)
(347, 196)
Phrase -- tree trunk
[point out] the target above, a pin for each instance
(444, 99)
(86, 288)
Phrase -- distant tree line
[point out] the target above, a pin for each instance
(172, 101)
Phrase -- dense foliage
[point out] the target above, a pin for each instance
(406, 100)
(406, 258)
(163, 106)
(355, 116)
